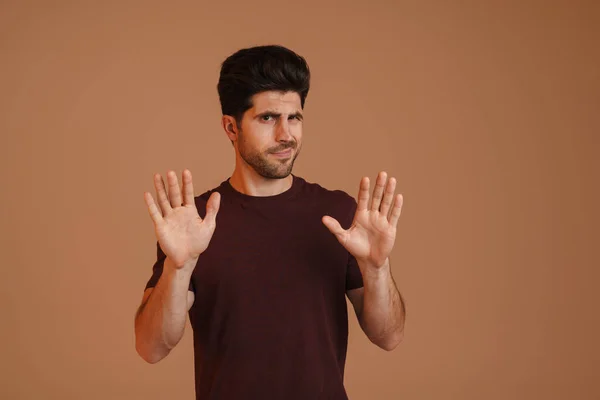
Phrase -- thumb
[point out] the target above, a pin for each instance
(212, 207)
(334, 227)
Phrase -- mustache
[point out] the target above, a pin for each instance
(283, 147)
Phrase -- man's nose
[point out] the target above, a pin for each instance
(282, 131)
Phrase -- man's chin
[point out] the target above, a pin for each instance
(276, 173)
(280, 175)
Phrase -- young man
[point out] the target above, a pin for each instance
(263, 262)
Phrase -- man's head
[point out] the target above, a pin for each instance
(262, 92)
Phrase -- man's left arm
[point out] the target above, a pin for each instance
(379, 306)
(370, 240)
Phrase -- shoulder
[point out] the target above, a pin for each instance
(330, 193)
(335, 200)
(202, 199)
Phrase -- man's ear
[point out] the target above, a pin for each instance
(230, 127)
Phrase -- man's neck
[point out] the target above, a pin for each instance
(250, 183)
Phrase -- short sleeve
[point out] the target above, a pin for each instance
(353, 275)
(354, 279)
(157, 269)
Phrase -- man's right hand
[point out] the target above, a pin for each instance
(180, 231)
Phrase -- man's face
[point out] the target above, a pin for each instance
(270, 135)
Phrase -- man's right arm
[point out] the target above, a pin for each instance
(160, 319)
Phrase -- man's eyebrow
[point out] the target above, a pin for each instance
(274, 113)
(297, 114)
(268, 112)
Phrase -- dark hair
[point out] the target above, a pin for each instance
(258, 69)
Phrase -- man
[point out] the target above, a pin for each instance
(263, 262)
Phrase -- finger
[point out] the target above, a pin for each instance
(174, 192)
(378, 191)
(153, 210)
(334, 227)
(188, 188)
(388, 196)
(363, 194)
(161, 194)
(212, 207)
(396, 210)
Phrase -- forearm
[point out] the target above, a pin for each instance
(383, 312)
(160, 321)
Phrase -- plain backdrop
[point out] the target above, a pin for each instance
(486, 112)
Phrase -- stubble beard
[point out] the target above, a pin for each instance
(267, 166)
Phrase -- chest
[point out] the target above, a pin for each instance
(274, 255)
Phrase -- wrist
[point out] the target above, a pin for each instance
(372, 271)
(180, 270)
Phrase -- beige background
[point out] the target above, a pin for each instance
(486, 112)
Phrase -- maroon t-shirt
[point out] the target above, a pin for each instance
(270, 316)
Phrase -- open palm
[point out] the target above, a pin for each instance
(181, 233)
(371, 237)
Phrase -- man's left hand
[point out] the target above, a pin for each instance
(371, 237)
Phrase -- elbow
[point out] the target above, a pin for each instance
(152, 360)
(151, 357)
(150, 354)
(148, 357)
(391, 345)
(143, 345)
(387, 341)
(391, 342)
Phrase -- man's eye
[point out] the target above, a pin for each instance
(266, 117)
